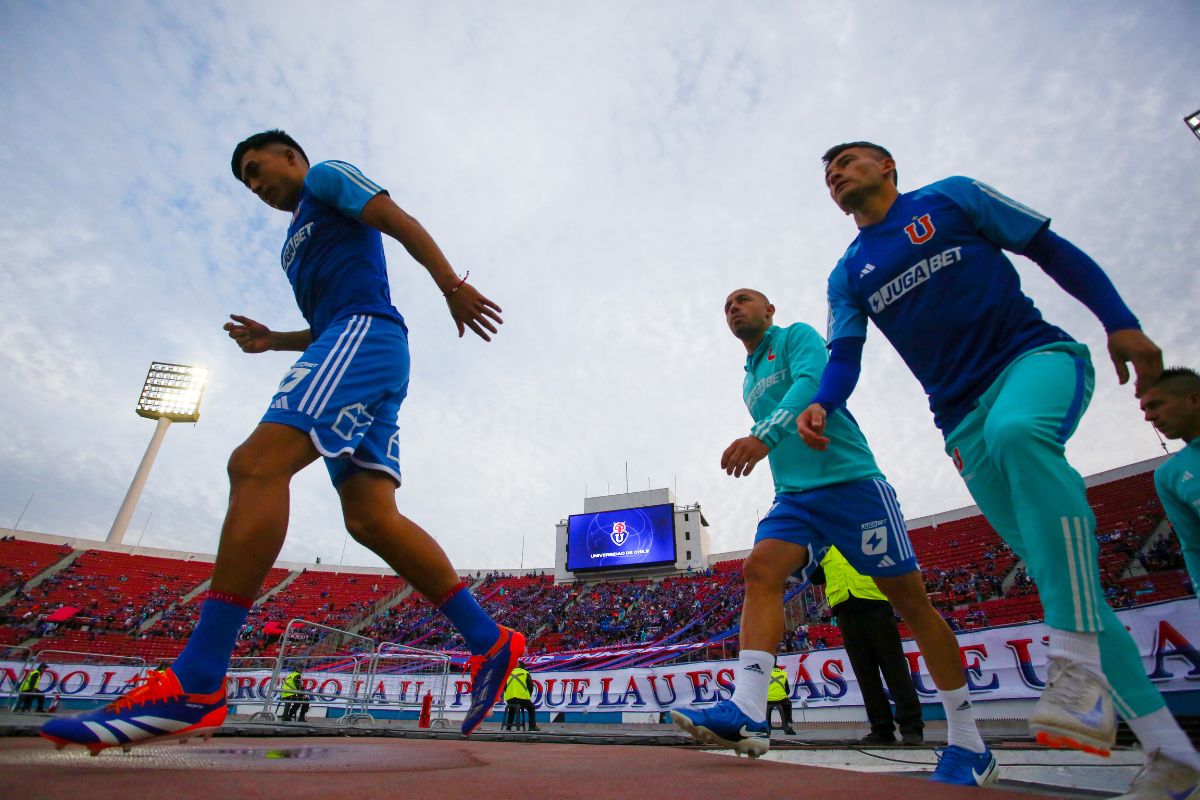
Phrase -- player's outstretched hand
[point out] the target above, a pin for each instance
(1133, 346)
(741, 456)
(251, 336)
(472, 310)
(811, 427)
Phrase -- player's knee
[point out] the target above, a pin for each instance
(367, 528)
(758, 571)
(244, 464)
(909, 605)
(249, 462)
(907, 597)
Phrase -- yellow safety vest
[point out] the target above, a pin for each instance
(777, 689)
(842, 580)
(31, 681)
(292, 687)
(517, 687)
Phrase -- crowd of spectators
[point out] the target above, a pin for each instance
(971, 568)
(101, 607)
(579, 616)
(1165, 554)
(27, 560)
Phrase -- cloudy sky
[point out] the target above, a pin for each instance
(607, 171)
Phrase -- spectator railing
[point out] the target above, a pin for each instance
(406, 675)
(311, 646)
(63, 662)
(13, 654)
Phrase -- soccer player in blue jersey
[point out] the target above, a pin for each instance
(1172, 405)
(837, 498)
(1007, 389)
(338, 401)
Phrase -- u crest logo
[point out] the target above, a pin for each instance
(927, 229)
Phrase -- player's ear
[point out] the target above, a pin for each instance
(889, 165)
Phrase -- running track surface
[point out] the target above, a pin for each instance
(341, 768)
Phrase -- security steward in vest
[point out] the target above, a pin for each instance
(29, 690)
(779, 695)
(517, 693)
(872, 642)
(294, 697)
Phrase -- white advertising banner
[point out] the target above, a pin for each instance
(1002, 664)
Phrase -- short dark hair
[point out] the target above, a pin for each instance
(1178, 380)
(838, 149)
(260, 140)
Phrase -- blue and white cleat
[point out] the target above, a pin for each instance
(960, 766)
(157, 710)
(725, 725)
(487, 682)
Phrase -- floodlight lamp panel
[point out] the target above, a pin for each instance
(172, 391)
(1193, 122)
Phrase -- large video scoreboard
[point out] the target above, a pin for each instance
(631, 537)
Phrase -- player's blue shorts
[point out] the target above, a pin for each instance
(345, 392)
(861, 519)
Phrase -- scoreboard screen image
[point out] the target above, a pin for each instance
(631, 537)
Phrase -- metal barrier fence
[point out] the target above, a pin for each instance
(401, 677)
(310, 646)
(65, 662)
(248, 673)
(14, 654)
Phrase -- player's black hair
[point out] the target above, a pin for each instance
(1179, 380)
(838, 149)
(260, 140)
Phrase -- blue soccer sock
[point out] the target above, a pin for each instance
(479, 629)
(202, 664)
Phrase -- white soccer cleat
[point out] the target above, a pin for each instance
(1075, 710)
(1163, 778)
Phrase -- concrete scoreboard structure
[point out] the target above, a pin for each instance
(692, 544)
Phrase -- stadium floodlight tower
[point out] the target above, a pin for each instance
(171, 393)
(1193, 122)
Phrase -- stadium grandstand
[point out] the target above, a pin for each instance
(86, 596)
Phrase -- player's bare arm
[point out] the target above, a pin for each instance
(1131, 346)
(254, 337)
(741, 456)
(810, 425)
(468, 307)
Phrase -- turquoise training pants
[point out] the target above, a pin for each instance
(1010, 451)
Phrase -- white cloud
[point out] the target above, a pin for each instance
(606, 173)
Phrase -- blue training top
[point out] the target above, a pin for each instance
(933, 277)
(335, 262)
